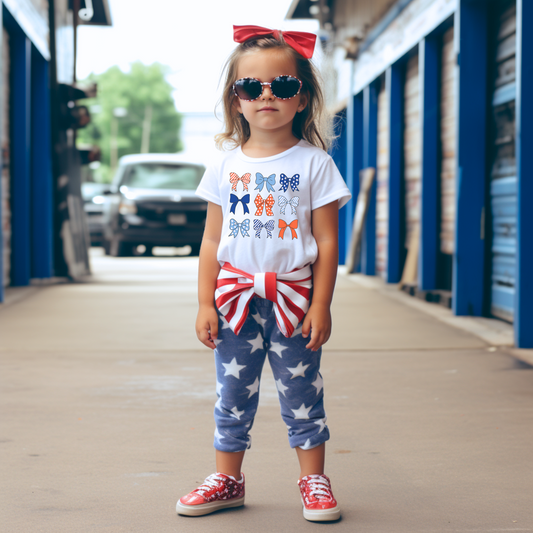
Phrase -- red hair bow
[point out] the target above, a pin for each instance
(301, 41)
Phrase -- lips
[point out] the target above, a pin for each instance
(267, 108)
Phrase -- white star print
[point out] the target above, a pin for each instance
(236, 413)
(253, 388)
(297, 331)
(277, 348)
(217, 341)
(257, 343)
(318, 383)
(259, 320)
(219, 435)
(281, 387)
(302, 412)
(298, 371)
(233, 368)
(225, 324)
(218, 405)
(307, 445)
(322, 424)
(219, 388)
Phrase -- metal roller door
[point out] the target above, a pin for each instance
(412, 154)
(448, 160)
(503, 183)
(382, 207)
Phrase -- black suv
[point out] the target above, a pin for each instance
(152, 203)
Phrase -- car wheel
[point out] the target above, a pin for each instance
(195, 249)
(117, 248)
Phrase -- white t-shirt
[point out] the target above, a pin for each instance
(267, 202)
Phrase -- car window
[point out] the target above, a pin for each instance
(163, 176)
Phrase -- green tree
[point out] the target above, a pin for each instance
(133, 109)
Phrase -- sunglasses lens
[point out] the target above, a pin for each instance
(285, 86)
(248, 89)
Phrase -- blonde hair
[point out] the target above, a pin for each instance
(313, 124)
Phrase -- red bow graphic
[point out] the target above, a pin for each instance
(301, 41)
(234, 178)
(283, 225)
(268, 203)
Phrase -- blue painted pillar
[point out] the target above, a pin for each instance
(2, 118)
(428, 60)
(523, 315)
(339, 154)
(20, 163)
(354, 158)
(394, 85)
(370, 137)
(469, 257)
(41, 170)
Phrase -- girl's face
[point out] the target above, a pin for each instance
(269, 113)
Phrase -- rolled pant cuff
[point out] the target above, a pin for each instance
(309, 442)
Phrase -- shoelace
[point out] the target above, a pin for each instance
(210, 483)
(316, 487)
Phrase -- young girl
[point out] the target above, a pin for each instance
(271, 239)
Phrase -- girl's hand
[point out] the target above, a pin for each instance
(318, 321)
(207, 325)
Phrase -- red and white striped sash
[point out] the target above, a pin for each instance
(290, 293)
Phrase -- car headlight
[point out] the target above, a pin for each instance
(127, 207)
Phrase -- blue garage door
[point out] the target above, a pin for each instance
(503, 186)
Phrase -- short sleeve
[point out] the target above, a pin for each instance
(327, 186)
(209, 185)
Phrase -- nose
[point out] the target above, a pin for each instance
(267, 93)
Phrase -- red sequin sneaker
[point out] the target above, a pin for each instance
(218, 491)
(317, 498)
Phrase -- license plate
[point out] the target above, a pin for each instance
(177, 219)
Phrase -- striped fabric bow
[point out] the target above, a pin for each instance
(234, 226)
(293, 202)
(262, 181)
(290, 293)
(258, 226)
(285, 181)
(235, 200)
(234, 179)
(267, 202)
(283, 225)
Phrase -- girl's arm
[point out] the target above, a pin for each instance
(325, 227)
(209, 267)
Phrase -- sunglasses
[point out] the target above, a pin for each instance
(282, 87)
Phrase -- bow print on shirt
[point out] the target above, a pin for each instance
(262, 181)
(267, 202)
(258, 226)
(285, 181)
(293, 202)
(235, 200)
(234, 179)
(283, 225)
(234, 226)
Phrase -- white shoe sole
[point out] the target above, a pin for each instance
(325, 515)
(206, 508)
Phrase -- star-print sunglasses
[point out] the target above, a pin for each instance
(282, 87)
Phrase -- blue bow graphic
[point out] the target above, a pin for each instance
(235, 200)
(234, 226)
(261, 181)
(294, 182)
(258, 226)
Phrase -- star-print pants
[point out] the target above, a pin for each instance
(239, 361)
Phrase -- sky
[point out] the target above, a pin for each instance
(193, 38)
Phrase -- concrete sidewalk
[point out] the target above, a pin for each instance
(107, 401)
